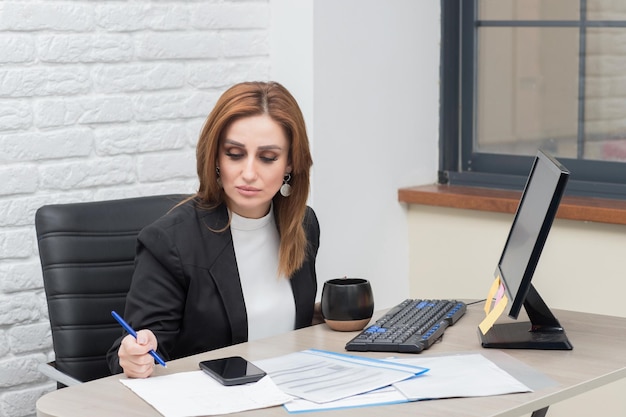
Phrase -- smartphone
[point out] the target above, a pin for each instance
(233, 370)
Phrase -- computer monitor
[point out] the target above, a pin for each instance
(535, 213)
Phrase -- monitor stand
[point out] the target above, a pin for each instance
(543, 331)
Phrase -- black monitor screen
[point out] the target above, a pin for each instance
(530, 228)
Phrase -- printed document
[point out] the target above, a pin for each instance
(451, 375)
(321, 376)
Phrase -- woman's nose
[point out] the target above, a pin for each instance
(249, 170)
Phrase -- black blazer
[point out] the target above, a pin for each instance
(186, 285)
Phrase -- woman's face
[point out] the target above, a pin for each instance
(253, 159)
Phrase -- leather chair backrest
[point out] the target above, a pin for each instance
(87, 253)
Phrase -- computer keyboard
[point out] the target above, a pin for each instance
(411, 326)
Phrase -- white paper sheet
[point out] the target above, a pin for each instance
(382, 396)
(321, 376)
(469, 375)
(190, 394)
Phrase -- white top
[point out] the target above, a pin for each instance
(269, 299)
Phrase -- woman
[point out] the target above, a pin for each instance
(236, 261)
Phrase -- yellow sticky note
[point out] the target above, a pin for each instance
(492, 291)
(494, 307)
(495, 313)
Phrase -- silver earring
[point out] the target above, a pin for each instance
(285, 189)
(219, 180)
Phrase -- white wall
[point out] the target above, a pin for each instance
(100, 100)
(376, 127)
(582, 266)
(291, 51)
(366, 76)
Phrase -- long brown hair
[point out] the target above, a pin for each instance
(251, 99)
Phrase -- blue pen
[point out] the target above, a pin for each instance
(131, 332)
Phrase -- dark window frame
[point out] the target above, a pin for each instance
(458, 163)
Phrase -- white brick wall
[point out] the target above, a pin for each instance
(100, 100)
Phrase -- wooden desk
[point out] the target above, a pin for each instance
(597, 359)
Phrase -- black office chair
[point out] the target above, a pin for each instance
(87, 253)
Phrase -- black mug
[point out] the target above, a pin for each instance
(347, 303)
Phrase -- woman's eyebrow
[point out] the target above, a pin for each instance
(261, 148)
(270, 147)
(234, 143)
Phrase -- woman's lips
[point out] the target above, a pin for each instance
(248, 191)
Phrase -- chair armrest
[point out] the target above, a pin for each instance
(50, 371)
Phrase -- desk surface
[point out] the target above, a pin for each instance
(597, 359)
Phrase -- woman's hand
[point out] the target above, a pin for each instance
(134, 356)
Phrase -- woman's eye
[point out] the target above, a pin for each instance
(234, 155)
(268, 158)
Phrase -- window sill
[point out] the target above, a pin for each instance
(506, 201)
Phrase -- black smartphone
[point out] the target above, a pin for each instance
(233, 370)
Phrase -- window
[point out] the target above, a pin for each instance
(519, 75)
